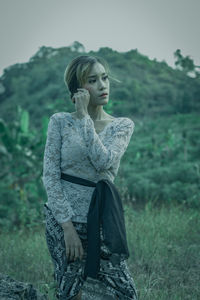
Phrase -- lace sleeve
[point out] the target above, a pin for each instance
(103, 156)
(57, 200)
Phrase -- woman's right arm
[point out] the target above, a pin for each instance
(57, 201)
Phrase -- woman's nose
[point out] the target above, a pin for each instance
(102, 84)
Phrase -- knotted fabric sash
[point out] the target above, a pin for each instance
(106, 209)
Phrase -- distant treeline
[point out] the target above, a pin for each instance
(147, 87)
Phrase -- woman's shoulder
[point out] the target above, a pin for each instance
(126, 121)
(61, 118)
(59, 115)
(122, 124)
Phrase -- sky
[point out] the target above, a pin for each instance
(156, 28)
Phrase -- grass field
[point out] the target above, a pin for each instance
(164, 257)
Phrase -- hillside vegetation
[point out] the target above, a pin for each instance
(162, 162)
(147, 87)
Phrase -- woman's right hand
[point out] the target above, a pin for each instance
(73, 244)
(81, 100)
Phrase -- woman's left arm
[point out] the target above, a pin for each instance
(104, 156)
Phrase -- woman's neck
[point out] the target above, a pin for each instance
(96, 113)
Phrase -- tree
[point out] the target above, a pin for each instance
(185, 63)
(78, 47)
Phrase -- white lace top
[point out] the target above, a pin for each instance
(74, 147)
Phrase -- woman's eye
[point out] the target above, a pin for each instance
(93, 80)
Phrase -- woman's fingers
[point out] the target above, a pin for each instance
(72, 250)
(81, 252)
(81, 94)
(76, 252)
(73, 244)
(67, 252)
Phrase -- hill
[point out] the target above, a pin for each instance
(147, 88)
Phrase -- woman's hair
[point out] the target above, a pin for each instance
(78, 70)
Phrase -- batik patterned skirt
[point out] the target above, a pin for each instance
(115, 277)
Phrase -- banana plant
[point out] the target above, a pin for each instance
(21, 170)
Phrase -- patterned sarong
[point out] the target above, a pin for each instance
(115, 277)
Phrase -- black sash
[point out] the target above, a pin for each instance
(106, 209)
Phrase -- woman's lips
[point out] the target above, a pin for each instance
(104, 95)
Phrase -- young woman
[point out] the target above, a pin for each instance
(85, 228)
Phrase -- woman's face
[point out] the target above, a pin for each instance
(97, 84)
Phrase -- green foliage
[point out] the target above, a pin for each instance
(22, 192)
(24, 122)
(146, 87)
(161, 165)
(186, 64)
(162, 162)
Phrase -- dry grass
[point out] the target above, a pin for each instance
(164, 254)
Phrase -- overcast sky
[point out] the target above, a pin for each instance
(155, 27)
